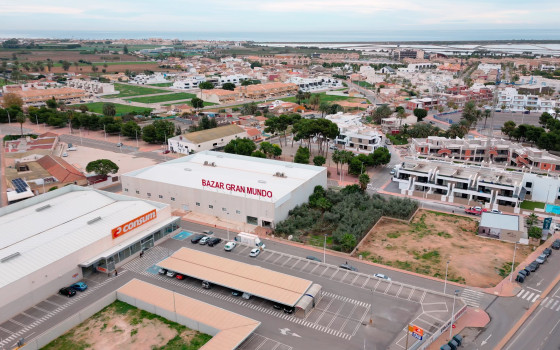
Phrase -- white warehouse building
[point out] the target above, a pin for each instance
(58, 238)
(244, 189)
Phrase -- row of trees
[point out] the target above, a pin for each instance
(547, 136)
(247, 147)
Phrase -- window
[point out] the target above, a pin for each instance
(160, 196)
(529, 184)
(126, 189)
(224, 209)
(149, 194)
(137, 192)
(252, 220)
(237, 212)
(198, 204)
(211, 206)
(173, 198)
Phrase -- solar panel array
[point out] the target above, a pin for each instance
(20, 185)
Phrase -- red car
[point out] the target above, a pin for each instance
(179, 276)
(166, 151)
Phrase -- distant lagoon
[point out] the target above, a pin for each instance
(302, 36)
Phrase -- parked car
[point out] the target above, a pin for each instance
(235, 293)
(214, 241)
(495, 211)
(382, 276)
(67, 292)
(288, 309)
(179, 276)
(206, 285)
(204, 240)
(534, 266)
(555, 245)
(254, 252)
(547, 251)
(81, 286)
(196, 239)
(229, 246)
(349, 267)
(311, 257)
(208, 232)
(72, 148)
(527, 270)
(120, 144)
(170, 274)
(166, 151)
(246, 296)
(65, 154)
(162, 271)
(520, 278)
(524, 273)
(393, 172)
(542, 258)
(277, 306)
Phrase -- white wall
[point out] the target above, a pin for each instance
(187, 146)
(544, 188)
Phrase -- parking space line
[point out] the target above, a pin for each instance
(268, 257)
(316, 266)
(52, 302)
(321, 275)
(367, 280)
(285, 262)
(335, 315)
(297, 262)
(558, 308)
(23, 313)
(535, 298)
(423, 296)
(387, 289)
(18, 323)
(347, 318)
(354, 280)
(5, 330)
(375, 288)
(399, 292)
(304, 266)
(366, 311)
(336, 273)
(278, 258)
(411, 292)
(323, 313)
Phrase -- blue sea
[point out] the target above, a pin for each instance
(303, 36)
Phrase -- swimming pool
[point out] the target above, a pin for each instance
(551, 208)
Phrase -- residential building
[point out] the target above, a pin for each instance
(354, 136)
(426, 103)
(510, 228)
(42, 95)
(342, 56)
(510, 99)
(206, 139)
(219, 96)
(143, 79)
(234, 78)
(189, 83)
(270, 90)
(315, 84)
(292, 60)
(92, 86)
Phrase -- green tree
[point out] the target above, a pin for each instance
(243, 146)
(535, 232)
(544, 119)
(66, 65)
(164, 130)
(11, 100)
(337, 158)
(457, 130)
(508, 128)
(324, 108)
(380, 156)
(302, 155)
(347, 242)
(102, 167)
(258, 154)
(206, 85)
(381, 112)
(300, 96)
(149, 134)
(125, 50)
(531, 219)
(109, 109)
(20, 118)
(319, 160)
(420, 113)
(131, 129)
(228, 86)
(364, 181)
(197, 102)
(255, 64)
(51, 103)
(346, 159)
(315, 100)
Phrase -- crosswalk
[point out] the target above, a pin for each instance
(551, 303)
(528, 295)
(472, 297)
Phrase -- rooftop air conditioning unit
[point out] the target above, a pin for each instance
(205, 162)
(213, 164)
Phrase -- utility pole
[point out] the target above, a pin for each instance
(407, 326)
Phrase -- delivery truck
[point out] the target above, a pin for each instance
(250, 240)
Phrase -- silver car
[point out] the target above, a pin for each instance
(541, 259)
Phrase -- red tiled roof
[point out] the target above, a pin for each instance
(253, 132)
(60, 169)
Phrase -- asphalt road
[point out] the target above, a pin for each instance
(541, 330)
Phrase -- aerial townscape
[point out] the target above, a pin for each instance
(279, 175)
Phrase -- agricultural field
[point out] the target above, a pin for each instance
(163, 98)
(431, 239)
(97, 107)
(123, 326)
(162, 84)
(133, 90)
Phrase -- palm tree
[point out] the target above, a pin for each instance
(324, 108)
(337, 158)
(486, 114)
(300, 96)
(401, 114)
(556, 112)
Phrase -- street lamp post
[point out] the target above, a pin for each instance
(453, 314)
(445, 283)
(325, 249)
(513, 262)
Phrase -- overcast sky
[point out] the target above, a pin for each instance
(276, 15)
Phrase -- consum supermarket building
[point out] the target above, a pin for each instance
(53, 240)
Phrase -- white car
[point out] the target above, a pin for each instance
(170, 274)
(393, 172)
(72, 148)
(495, 211)
(229, 246)
(254, 252)
(204, 240)
(65, 154)
(382, 276)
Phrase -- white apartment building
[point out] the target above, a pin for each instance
(92, 86)
(143, 79)
(487, 67)
(538, 81)
(417, 67)
(204, 140)
(371, 75)
(189, 83)
(354, 136)
(315, 84)
(512, 100)
(235, 79)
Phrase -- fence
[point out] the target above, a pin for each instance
(443, 328)
(69, 323)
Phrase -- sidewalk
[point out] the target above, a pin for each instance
(476, 318)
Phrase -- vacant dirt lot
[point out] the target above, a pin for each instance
(433, 238)
(121, 326)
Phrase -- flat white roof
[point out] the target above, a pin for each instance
(244, 173)
(44, 229)
(501, 221)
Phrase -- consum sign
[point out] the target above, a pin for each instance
(134, 223)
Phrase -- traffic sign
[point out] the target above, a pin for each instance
(546, 223)
(417, 336)
(416, 329)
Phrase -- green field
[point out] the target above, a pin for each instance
(97, 107)
(163, 98)
(530, 205)
(133, 90)
(205, 104)
(162, 84)
(324, 98)
(364, 84)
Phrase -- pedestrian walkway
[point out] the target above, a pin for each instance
(530, 296)
(472, 297)
(473, 317)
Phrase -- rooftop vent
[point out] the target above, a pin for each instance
(188, 169)
(11, 256)
(94, 220)
(279, 174)
(262, 181)
(43, 207)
